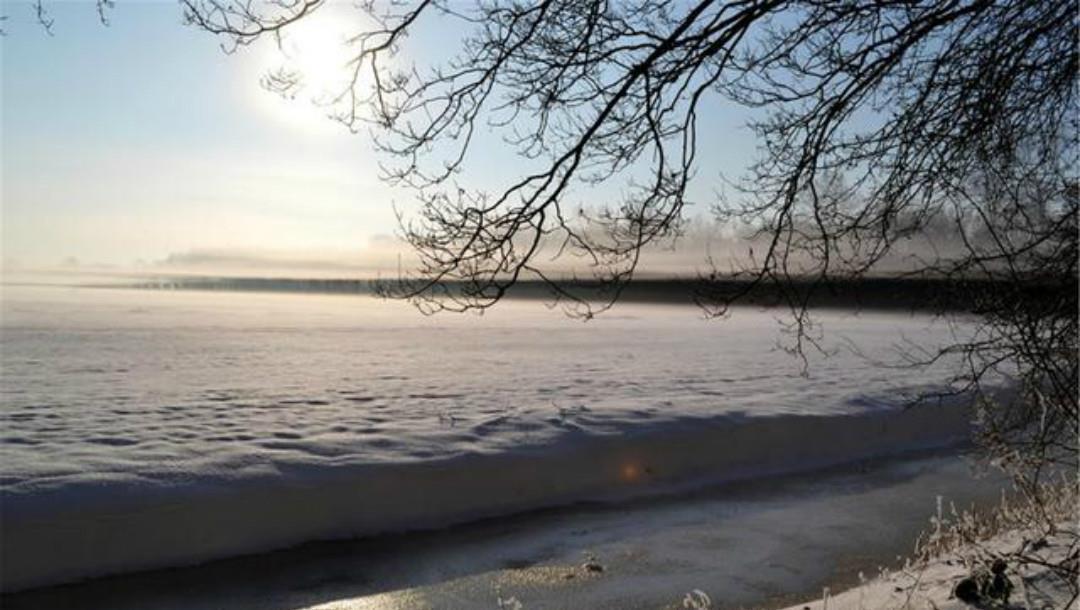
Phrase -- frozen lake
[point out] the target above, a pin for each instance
(123, 409)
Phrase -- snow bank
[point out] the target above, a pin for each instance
(108, 525)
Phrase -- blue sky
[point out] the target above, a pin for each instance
(141, 140)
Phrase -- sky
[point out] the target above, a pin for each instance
(142, 144)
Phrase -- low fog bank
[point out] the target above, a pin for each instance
(669, 273)
(702, 248)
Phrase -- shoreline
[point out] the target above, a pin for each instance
(752, 544)
(932, 581)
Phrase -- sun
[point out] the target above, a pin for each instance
(316, 52)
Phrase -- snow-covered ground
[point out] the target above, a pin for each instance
(139, 428)
(932, 584)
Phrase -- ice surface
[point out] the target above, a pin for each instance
(742, 543)
(143, 429)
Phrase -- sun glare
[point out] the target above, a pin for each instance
(317, 53)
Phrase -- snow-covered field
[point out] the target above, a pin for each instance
(142, 428)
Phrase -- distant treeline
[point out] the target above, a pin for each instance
(868, 293)
(258, 284)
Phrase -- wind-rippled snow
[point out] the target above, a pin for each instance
(105, 385)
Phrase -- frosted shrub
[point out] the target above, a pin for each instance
(697, 600)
